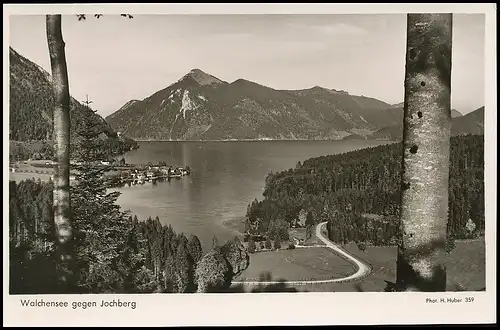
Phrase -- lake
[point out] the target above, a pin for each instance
(225, 178)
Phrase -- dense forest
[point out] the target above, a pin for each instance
(44, 149)
(113, 251)
(128, 256)
(358, 193)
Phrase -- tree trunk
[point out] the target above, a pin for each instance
(62, 211)
(426, 154)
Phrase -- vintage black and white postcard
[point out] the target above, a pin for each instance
(279, 164)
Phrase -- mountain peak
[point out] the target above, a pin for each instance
(129, 104)
(202, 78)
(197, 71)
(243, 81)
(319, 89)
(339, 91)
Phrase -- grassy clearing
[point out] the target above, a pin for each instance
(467, 265)
(296, 265)
(466, 269)
(33, 169)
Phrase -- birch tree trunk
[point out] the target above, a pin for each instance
(426, 153)
(62, 211)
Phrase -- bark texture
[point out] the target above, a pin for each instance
(426, 153)
(62, 213)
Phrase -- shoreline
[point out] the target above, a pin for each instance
(236, 224)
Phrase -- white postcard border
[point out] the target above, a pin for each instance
(280, 308)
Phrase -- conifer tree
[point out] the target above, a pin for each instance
(268, 244)
(277, 242)
(133, 259)
(170, 276)
(309, 225)
(195, 253)
(251, 245)
(100, 226)
(194, 248)
(182, 268)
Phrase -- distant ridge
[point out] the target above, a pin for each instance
(200, 106)
(471, 123)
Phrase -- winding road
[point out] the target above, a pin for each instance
(363, 269)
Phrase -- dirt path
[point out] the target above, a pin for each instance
(362, 268)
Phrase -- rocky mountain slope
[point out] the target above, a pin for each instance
(31, 106)
(202, 107)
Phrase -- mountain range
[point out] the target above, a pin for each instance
(471, 123)
(200, 106)
(31, 105)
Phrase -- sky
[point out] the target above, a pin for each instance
(114, 59)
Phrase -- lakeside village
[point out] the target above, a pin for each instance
(132, 174)
(118, 173)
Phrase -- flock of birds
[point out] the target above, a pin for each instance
(84, 17)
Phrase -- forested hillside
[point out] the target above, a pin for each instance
(358, 193)
(124, 256)
(31, 104)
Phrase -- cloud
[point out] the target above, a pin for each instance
(339, 28)
(302, 46)
(228, 36)
(332, 29)
(262, 46)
